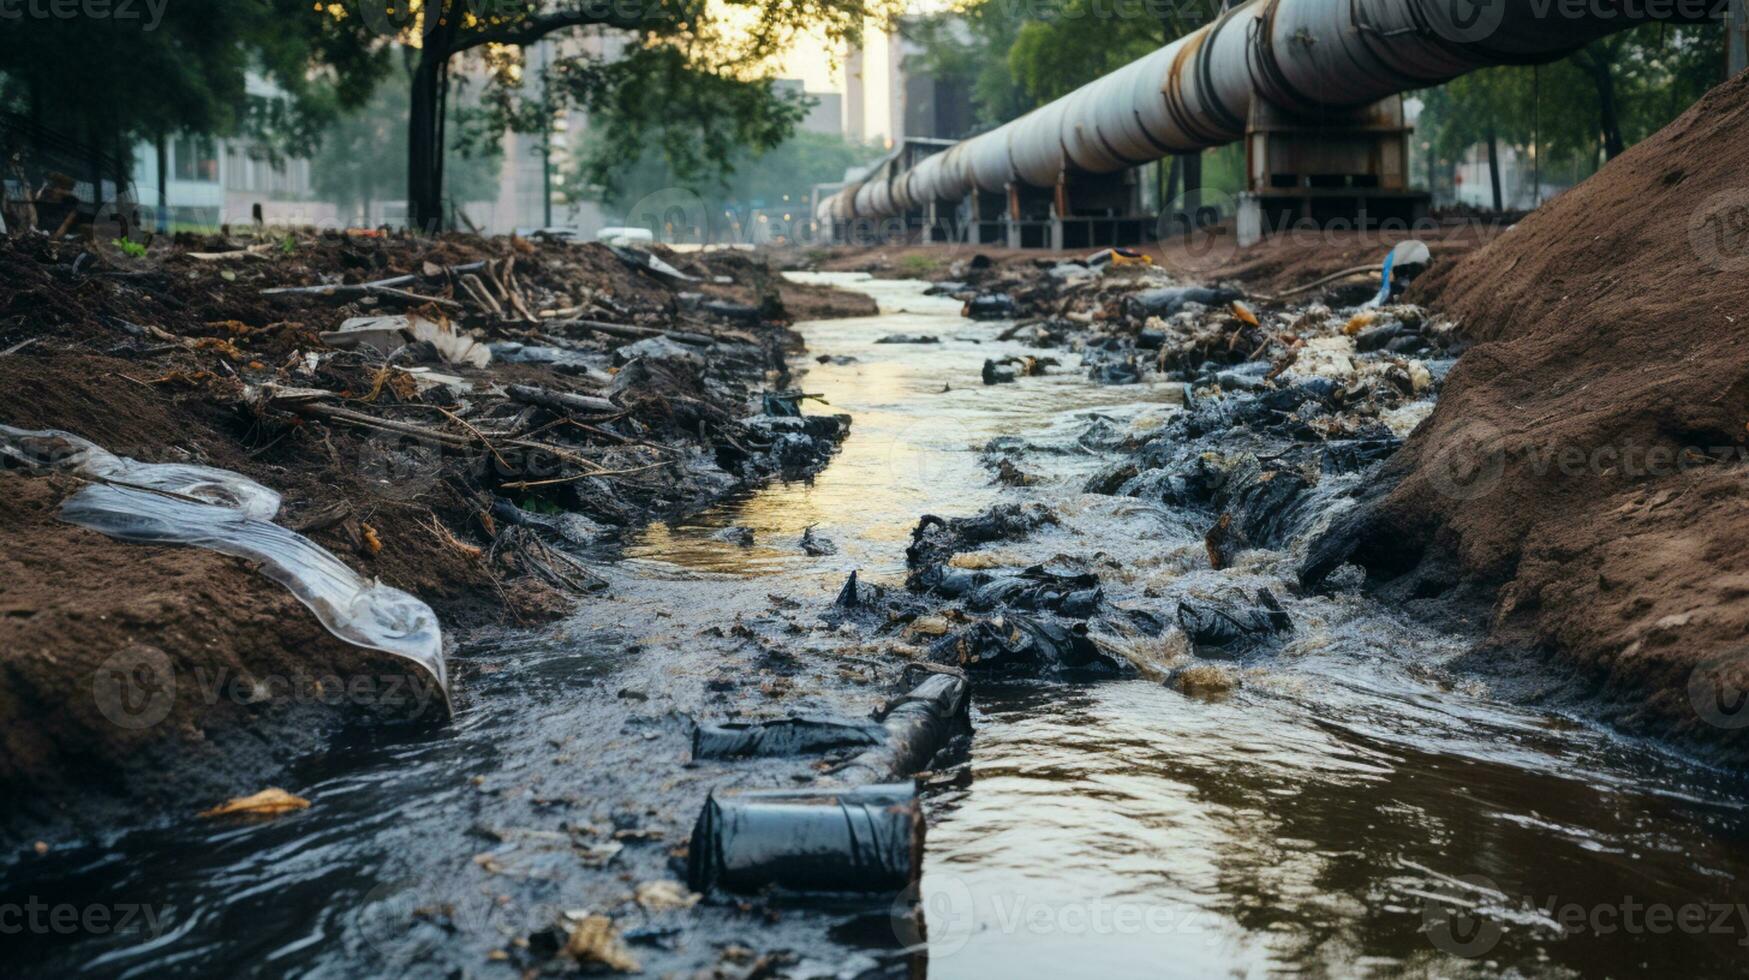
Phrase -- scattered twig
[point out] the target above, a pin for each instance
(560, 401)
(530, 484)
(630, 332)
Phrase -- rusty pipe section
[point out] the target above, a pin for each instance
(1195, 93)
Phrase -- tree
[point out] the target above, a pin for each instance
(1588, 107)
(362, 156)
(971, 46)
(112, 80)
(1022, 56)
(680, 48)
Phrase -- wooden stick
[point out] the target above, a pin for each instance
(354, 290)
(633, 333)
(560, 401)
(528, 484)
(477, 290)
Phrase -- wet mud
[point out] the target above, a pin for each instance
(1175, 753)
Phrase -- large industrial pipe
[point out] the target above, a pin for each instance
(1196, 92)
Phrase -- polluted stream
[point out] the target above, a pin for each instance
(1338, 804)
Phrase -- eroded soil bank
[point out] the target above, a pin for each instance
(1586, 462)
(467, 479)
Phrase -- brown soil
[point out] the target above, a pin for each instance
(1587, 454)
(243, 653)
(1282, 262)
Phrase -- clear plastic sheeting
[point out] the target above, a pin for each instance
(173, 503)
(52, 449)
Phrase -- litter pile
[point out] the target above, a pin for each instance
(460, 418)
(1585, 466)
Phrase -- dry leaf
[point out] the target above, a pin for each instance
(660, 896)
(267, 803)
(595, 940)
(1244, 313)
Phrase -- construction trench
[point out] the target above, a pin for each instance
(380, 605)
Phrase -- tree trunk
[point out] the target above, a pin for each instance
(1598, 61)
(163, 148)
(424, 190)
(1608, 113)
(1494, 168)
(425, 123)
(1192, 173)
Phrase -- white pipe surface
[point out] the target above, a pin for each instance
(1196, 92)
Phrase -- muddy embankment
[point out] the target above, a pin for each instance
(560, 394)
(1586, 462)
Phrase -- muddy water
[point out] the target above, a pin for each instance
(1346, 809)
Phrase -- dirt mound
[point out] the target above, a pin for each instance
(438, 477)
(1588, 453)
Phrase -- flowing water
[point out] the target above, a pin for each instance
(1347, 808)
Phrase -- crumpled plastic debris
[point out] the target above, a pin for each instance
(174, 503)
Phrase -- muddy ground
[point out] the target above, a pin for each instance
(1587, 460)
(1310, 427)
(1575, 491)
(173, 357)
(1282, 263)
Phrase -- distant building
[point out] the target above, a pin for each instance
(916, 104)
(826, 116)
(855, 96)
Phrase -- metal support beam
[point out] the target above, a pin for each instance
(1334, 169)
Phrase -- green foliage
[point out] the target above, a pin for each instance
(652, 105)
(1650, 75)
(132, 248)
(683, 92)
(917, 265)
(362, 156)
(971, 46)
(113, 81)
(1082, 41)
(746, 178)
